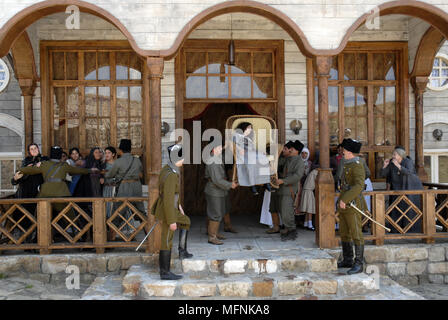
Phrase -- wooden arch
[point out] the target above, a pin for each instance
(429, 13)
(429, 45)
(11, 31)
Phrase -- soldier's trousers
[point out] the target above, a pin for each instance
(183, 222)
(217, 207)
(350, 226)
(287, 211)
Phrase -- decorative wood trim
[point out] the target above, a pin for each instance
(310, 106)
(427, 49)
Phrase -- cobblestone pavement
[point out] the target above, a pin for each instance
(28, 289)
(431, 291)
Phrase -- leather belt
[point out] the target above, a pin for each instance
(129, 180)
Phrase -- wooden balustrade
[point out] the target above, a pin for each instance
(79, 223)
(83, 222)
(429, 214)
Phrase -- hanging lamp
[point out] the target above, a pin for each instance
(231, 45)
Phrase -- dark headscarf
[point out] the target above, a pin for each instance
(91, 162)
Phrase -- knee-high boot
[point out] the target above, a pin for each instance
(183, 253)
(347, 255)
(164, 266)
(359, 260)
(228, 225)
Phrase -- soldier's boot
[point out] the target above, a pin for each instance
(228, 225)
(347, 255)
(276, 223)
(164, 266)
(183, 253)
(359, 258)
(212, 231)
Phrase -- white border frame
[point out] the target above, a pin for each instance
(5, 83)
(434, 154)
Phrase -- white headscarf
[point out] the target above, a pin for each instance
(305, 149)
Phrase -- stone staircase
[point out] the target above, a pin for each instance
(277, 274)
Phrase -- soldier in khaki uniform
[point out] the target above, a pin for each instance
(291, 175)
(54, 172)
(350, 221)
(169, 212)
(216, 194)
(274, 205)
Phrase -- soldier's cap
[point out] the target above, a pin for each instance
(298, 145)
(125, 145)
(289, 144)
(56, 152)
(175, 152)
(351, 145)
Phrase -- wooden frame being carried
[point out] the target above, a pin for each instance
(231, 124)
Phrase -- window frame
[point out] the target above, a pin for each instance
(4, 83)
(48, 85)
(440, 56)
(401, 98)
(435, 154)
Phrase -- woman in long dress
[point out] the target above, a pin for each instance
(308, 203)
(252, 166)
(110, 154)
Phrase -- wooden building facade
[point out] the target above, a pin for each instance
(130, 67)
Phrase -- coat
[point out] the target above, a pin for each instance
(352, 185)
(217, 183)
(56, 170)
(166, 208)
(118, 171)
(29, 184)
(291, 174)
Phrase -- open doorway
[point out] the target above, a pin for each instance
(215, 116)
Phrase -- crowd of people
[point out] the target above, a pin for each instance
(102, 173)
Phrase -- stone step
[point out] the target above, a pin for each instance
(142, 282)
(110, 287)
(256, 262)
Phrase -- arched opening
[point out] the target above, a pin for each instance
(12, 30)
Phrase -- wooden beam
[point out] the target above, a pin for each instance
(155, 74)
(419, 84)
(325, 210)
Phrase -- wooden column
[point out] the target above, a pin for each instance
(153, 139)
(325, 208)
(28, 86)
(419, 84)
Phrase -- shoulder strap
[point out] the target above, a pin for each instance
(127, 170)
(49, 170)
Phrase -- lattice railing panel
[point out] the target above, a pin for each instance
(439, 216)
(395, 207)
(72, 228)
(12, 227)
(118, 222)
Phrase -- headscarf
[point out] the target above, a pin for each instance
(91, 162)
(305, 149)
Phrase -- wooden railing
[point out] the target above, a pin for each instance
(419, 214)
(69, 223)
